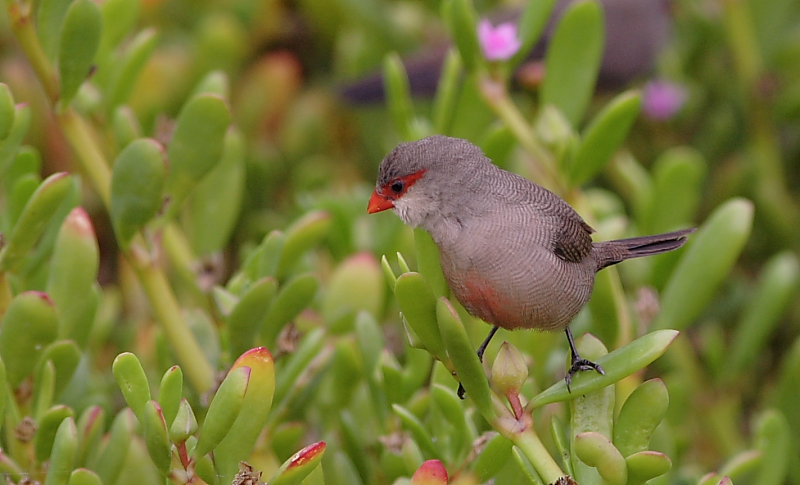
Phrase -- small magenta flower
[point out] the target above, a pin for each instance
(498, 43)
(661, 99)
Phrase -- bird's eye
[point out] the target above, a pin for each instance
(397, 186)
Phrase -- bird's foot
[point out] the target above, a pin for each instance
(581, 364)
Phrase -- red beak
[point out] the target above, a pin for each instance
(378, 203)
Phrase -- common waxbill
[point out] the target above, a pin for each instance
(514, 254)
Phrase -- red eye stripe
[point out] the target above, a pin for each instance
(388, 190)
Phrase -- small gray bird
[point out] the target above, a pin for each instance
(514, 254)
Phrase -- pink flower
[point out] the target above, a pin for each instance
(498, 43)
(661, 99)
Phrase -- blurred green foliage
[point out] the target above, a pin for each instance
(183, 182)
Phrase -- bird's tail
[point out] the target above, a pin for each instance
(613, 252)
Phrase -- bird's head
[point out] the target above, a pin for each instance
(424, 177)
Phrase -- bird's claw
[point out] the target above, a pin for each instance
(580, 365)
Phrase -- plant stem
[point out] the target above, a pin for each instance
(89, 153)
(22, 24)
(533, 449)
(495, 93)
(167, 311)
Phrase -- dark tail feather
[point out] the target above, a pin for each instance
(613, 252)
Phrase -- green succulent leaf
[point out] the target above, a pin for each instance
(110, 461)
(240, 440)
(49, 22)
(170, 393)
(197, 145)
(465, 360)
(246, 317)
(91, 427)
(137, 184)
(646, 465)
(301, 236)
(705, 264)
(223, 410)
(126, 71)
(49, 426)
(294, 470)
(531, 25)
(10, 146)
(604, 135)
(65, 356)
(184, 424)
(398, 95)
(596, 450)
(132, 382)
(418, 304)
(82, 476)
(156, 437)
(641, 413)
(292, 298)
(73, 273)
(447, 92)
(618, 364)
(7, 111)
(38, 211)
(62, 459)
(29, 325)
(80, 39)
(462, 21)
(573, 60)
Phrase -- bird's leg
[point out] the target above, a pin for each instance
(481, 350)
(578, 363)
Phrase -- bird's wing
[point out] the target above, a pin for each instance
(573, 242)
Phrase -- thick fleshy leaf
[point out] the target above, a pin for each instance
(709, 257)
(464, 359)
(248, 314)
(184, 425)
(775, 291)
(38, 211)
(62, 459)
(132, 382)
(170, 392)
(418, 304)
(432, 472)
(217, 198)
(618, 364)
(398, 95)
(293, 297)
(196, 146)
(531, 25)
(429, 264)
(646, 465)
(573, 60)
(603, 136)
(126, 72)
(91, 426)
(492, 458)
(678, 175)
(223, 410)
(119, 19)
(7, 111)
(111, 459)
(80, 38)
(156, 438)
(49, 425)
(299, 465)
(596, 450)
(774, 440)
(65, 356)
(301, 236)
(137, 184)
(9, 147)
(73, 272)
(444, 103)
(356, 285)
(82, 476)
(418, 430)
(462, 21)
(29, 325)
(126, 125)
(49, 22)
(240, 440)
(641, 413)
(590, 414)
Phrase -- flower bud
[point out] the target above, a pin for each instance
(509, 370)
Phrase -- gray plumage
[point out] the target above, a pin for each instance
(514, 254)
